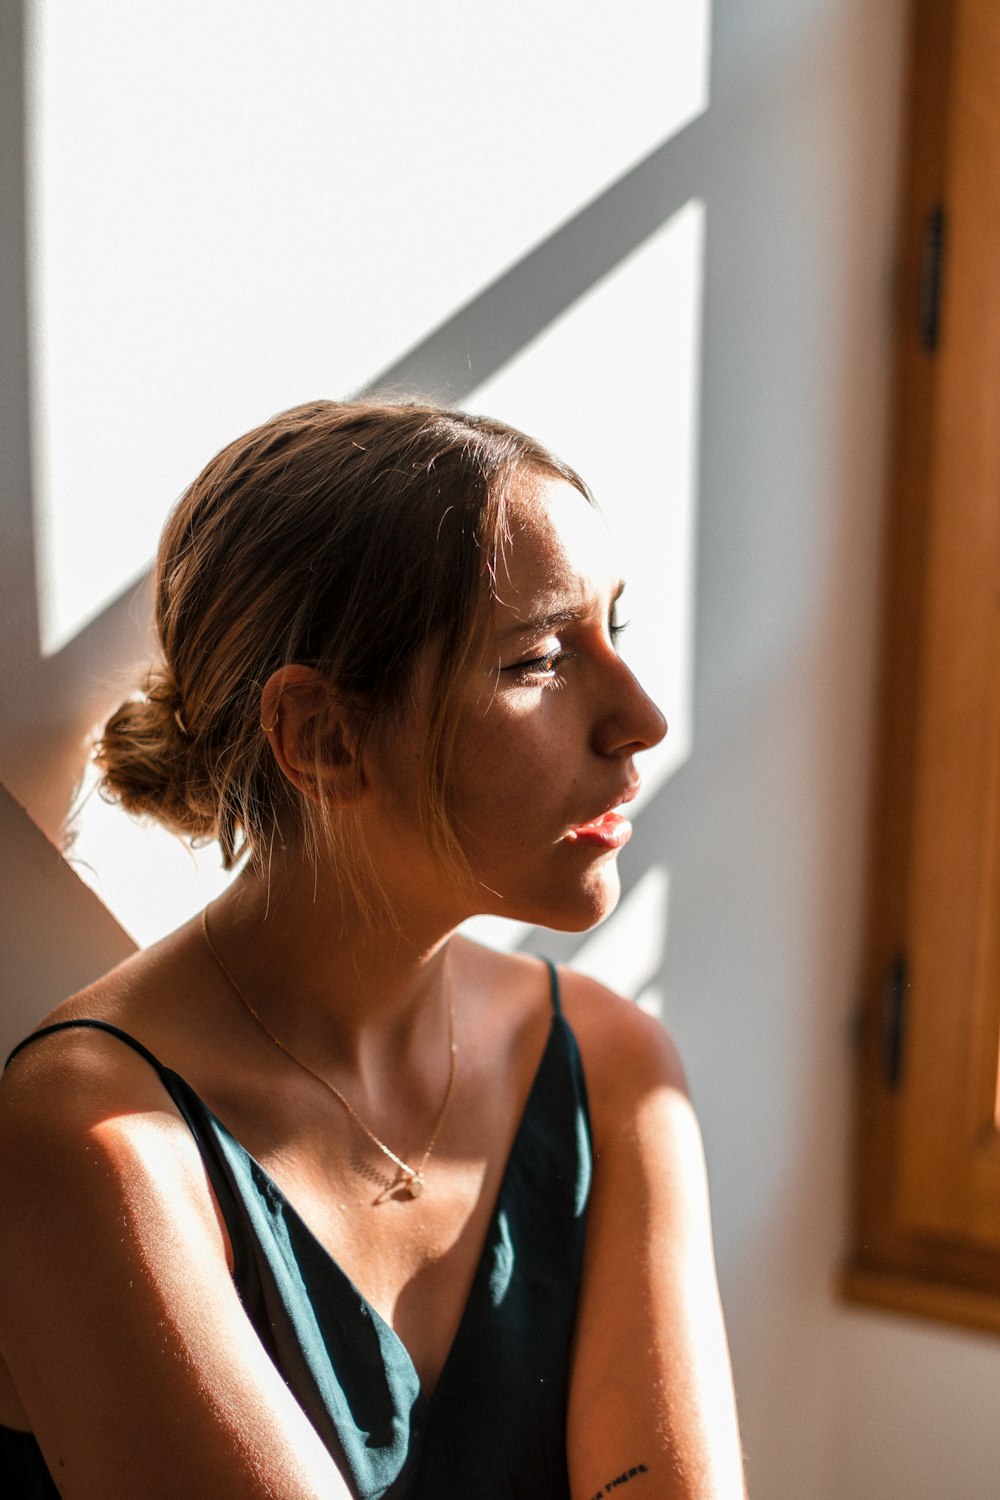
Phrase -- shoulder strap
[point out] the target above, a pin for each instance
(207, 1132)
(553, 986)
(86, 1021)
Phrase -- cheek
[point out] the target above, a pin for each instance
(494, 744)
(511, 775)
(483, 772)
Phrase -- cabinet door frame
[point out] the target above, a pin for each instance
(926, 1234)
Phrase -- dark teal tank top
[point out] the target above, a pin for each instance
(494, 1427)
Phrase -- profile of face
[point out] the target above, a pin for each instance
(547, 727)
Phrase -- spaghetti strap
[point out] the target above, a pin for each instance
(350, 1372)
(86, 1021)
(553, 986)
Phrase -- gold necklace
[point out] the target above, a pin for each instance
(409, 1179)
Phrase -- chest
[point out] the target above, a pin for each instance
(477, 1356)
(413, 1260)
(405, 1326)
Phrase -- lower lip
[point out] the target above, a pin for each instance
(612, 831)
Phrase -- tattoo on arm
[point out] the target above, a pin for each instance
(622, 1478)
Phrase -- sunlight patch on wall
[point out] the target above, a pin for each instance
(625, 952)
(238, 206)
(149, 878)
(612, 386)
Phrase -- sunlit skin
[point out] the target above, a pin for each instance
(550, 723)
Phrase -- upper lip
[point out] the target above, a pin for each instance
(626, 794)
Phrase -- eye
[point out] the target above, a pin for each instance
(615, 627)
(544, 667)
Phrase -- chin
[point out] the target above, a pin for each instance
(564, 900)
(585, 908)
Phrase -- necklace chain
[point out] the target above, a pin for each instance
(412, 1178)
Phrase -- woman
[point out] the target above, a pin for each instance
(389, 679)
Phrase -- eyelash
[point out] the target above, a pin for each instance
(539, 666)
(546, 666)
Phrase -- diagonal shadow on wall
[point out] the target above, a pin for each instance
(480, 338)
(51, 701)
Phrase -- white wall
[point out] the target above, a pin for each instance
(764, 826)
(711, 294)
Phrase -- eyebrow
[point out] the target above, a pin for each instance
(538, 624)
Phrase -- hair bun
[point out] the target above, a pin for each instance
(147, 757)
(351, 538)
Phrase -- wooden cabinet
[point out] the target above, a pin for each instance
(927, 1222)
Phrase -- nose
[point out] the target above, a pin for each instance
(631, 720)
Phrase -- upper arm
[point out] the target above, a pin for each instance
(651, 1383)
(130, 1351)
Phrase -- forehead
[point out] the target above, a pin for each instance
(559, 555)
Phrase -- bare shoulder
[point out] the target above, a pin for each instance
(158, 997)
(79, 1104)
(109, 1223)
(90, 1142)
(66, 1073)
(629, 1057)
(80, 1110)
(70, 1074)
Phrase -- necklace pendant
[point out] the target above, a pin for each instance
(415, 1184)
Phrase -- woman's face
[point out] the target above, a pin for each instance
(547, 728)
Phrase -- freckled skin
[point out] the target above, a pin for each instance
(547, 730)
(548, 727)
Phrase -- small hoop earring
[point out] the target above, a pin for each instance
(269, 728)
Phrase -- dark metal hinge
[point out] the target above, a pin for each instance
(931, 266)
(894, 1020)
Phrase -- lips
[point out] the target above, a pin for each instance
(610, 829)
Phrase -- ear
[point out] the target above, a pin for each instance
(309, 735)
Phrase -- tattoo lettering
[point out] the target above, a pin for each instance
(623, 1478)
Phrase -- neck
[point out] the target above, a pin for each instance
(349, 992)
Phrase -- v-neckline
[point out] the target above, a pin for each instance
(385, 1328)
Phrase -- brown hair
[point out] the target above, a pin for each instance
(345, 536)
